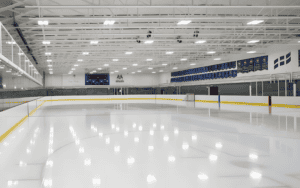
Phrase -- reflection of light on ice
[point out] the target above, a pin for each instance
(202, 176)
(213, 157)
(171, 158)
(130, 160)
(255, 175)
(253, 156)
(219, 145)
(150, 148)
(185, 146)
(151, 179)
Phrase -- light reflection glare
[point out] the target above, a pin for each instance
(47, 182)
(49, 163)
(130, 160)
(140, 128)
(151, 179)
(176, 131)
(134, 125)
(213, 157)
(253, 156)
(100, 134)
(171, 158)
(96, 181)
(166, 138)
(151, 132)
(21, 163)
(202, 176)
(185, 146)
(77, 142)
(117, 129)
(194, 137)
(81, 150)
(219, 145)
(113, 126)
(136, 139)
(154, 125)
(162, 127)
(107, 140)
(150, 148)
(117, 149)
(255, 175)
(87, 162)
(125, 133)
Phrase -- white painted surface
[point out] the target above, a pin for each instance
(286, 100)
(248, 99)
(137, 79)
(273, 139)
(165, 78)
(206, 97)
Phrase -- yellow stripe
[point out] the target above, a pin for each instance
(286, 105)
(206, 101)
(9, 131)
(244, 103)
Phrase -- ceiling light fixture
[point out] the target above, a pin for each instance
(255, 22)
(115, 60)
(149, 41)
(251, 52)
(217, 59)
(200, 41)
(150, 68)
(99, 68)
(75, 65)
(175, 68)
(252, 41)
(94, 42)
(43, 22)
(153, 72)
(161, 71)
(106, 65)
(124, 68)
(46, 42)
(133, 72)
(85, 53)
(49, 60)
(183, 59)
(193, 64)
(135, 65)
(48, 53)
(184, 22)
(169, 53)
(128, 53)
(149, 59)
(164, 64)
(109, 22)
(79, 60)
(211, 52)
(139, 71)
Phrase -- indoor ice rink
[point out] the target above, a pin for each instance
(149, 93)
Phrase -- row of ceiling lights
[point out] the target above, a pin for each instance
(182, 22)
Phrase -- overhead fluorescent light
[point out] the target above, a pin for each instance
(49, 60)
(253, 41)
(8, 71)
(255, 22)
(184, 22)
(124, 68)
(135, 65)
(149, 41)
(51, 72)
(175, 68)
(43, 22)
(48, 53)
(30, 65)
(85, 53)
(109, 22)
(133, 72)
(153, 72)
(10, 42)
(139, 71)
(169, 52)
(128, 53)
(251, 52)
(50, 69)
(20, 53)
(49, 65)
(75, 65)
(183, 59)
(116, 71)
(115, 60)
(79, 60)
(211, 52)
(99, 68)
(161, 71)
(217, 59)
(164, 64)
(94, 42)
(149, 59)
(73, 69)
(150, 68)
(46, 42)
(193, 64)
(106, 65)
(200, 41)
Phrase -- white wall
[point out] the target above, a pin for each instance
(53, 80)
(138, 79)
(165, 77)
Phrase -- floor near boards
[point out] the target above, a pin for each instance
(163, 144)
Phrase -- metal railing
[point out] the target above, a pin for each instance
(13, 60)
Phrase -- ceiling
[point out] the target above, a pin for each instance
(73, 24)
